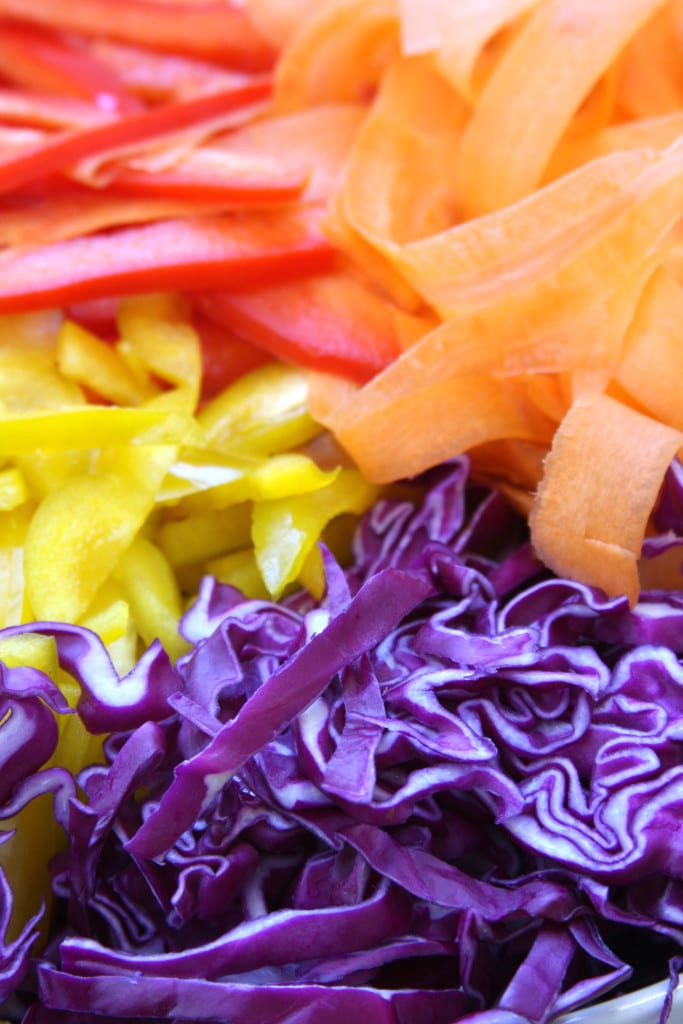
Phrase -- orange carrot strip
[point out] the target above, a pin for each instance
(327, 392)
(457, 32)
(519, 463)
(529, 278)
(650, 71)
(391, 192)
(366, 256)
(651, 368)
(663, 572)
(539, 83)
(653, 132)
(279, 20)
(600, 483)
(314, 143)
(337, 55)
(435, 421)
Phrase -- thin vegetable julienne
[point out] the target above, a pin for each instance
(228, 251)
(209, 29)
(328, 322)
(59, 153)
(44, 62)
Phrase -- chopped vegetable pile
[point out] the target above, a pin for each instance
(398, 802)
(267, 267)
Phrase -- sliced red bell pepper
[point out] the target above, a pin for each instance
(58, 209)
(44, 110)
(214, 28)
(213, 175)
(158, 77)
(63, 151)
(45, 62)
(96, 315)
(230, 251)
(328, 322)
(225, 357)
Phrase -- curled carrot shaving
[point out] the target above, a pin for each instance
(539, 83)
(338, 55)
(592, 524)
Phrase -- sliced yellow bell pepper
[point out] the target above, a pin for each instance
(284, 531)
(82, 357)
(265, 411)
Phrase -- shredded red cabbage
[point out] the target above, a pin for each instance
(452, 791)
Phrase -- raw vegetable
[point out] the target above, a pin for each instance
(441, 782)
(456, 805)
(207, 29)
(194, 253)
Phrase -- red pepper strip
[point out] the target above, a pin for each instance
(48, 111)
(42, 61)
(63, 151)
(96, 315)
(209, 174)
(57, 209)
(230, 251)
(221, 30)
(161, 77)
(225, 357)
(330, 322)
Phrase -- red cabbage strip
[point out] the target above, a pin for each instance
(378, 607)
(281, 938)
(108, 702)
(427, 877)
(199, 1000)
(13, 955)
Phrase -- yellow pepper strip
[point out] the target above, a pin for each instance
(263, 412)
(92, 426)
(205, 535)
(84, 358)
(284, 531)
(36, 331)
(79, 532)
(32, 649)
(110, 622)
(109, 616)
(30, 381)
(157, 329)
(289, 473)
(286, 474)
(45, 471)
(240, 570)
(203, 473)
(12, 589)
(153, 594)
(13, 489)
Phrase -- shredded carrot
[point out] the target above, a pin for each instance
(338, 55)
(540, 82)
(457, 32)
(592, 524)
